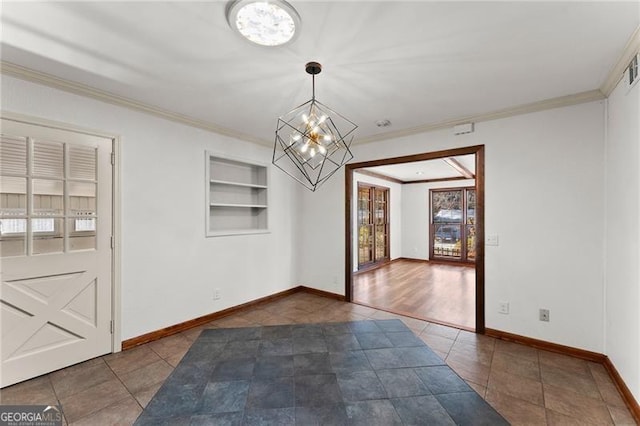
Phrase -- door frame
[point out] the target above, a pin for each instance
(478, 150)
(116, 294)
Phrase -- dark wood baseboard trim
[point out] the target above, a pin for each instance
(629, 400)
(322, 293)
(373, 267)
(547, 346)
(177, 328)
(411, 259)
(439, 261)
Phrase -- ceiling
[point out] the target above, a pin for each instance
(414, 63)
(450, 168)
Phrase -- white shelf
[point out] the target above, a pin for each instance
(236, 196)
(244, 185)
(237, 232)
(253, 206)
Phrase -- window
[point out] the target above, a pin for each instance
(453, 224)
(47, 196)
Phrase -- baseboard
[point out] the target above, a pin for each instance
(322, 293)
(373, 267)
(547, 346)
(629, 400)
(411, 259)
(183, 326)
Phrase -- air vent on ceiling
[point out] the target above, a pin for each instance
(632, 70)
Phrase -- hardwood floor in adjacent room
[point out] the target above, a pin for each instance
(437, 292)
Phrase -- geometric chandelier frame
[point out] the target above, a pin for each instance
(312, 141)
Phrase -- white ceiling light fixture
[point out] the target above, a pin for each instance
(264, 22)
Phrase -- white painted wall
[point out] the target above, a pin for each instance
(169, 268)
(395, 214)
(622, 234)
(544, 198)
(416, 216)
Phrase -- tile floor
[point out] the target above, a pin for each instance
(527, 386)
(370, 372)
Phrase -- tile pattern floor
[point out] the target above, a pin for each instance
(527, 386)
(372, 372)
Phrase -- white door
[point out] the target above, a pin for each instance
(55, 249)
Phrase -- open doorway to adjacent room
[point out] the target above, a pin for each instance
(415, 233)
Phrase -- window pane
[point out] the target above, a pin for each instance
(82, 162)
(47, 235)
(13, 155)
(471, 242)
(471, 206)
(364, 244)
(13, 237)
(82, 234)
(48, 197)
(447, 242)
(48, 159)
(82, 199)
(447, 206)
(13, 196)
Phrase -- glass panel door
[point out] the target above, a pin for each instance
(373, 225)
(381, 223)
(365, 237)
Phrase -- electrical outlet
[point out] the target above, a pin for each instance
(503, 308)
(544, 315)
(216, 294)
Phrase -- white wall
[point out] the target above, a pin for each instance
(622, 270)
(395, 215)
(169, 268)
(416, 216)
(544, 198)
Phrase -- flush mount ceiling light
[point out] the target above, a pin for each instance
(264, 22)
(311, 140)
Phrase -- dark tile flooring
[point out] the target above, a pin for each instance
(372, 372)
(525, 385)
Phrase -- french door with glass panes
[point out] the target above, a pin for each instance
(373, 225)
(55, 249)
(453, 229)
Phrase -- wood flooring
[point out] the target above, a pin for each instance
(435, 292)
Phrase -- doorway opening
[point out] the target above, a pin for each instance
(455, 255)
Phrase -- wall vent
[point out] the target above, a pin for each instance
(632, 70)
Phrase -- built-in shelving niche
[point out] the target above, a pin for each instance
(237, 196)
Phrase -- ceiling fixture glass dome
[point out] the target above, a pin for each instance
(267, 23)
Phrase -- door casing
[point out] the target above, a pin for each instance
(116, 253)
(478, 150)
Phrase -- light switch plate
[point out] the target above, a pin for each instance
(491, 240)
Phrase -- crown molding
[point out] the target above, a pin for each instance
(28, 74)
(562, 101)
(24, 73)
(617, 72)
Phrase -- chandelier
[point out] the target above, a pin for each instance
(311, 140)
